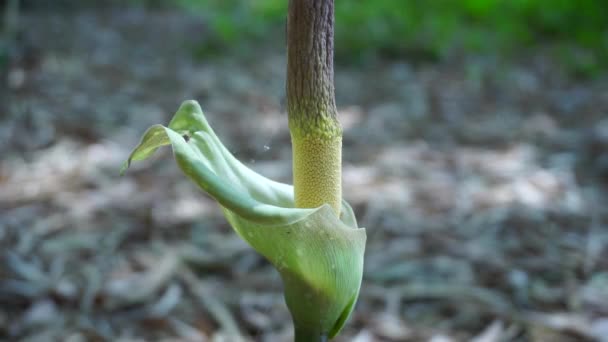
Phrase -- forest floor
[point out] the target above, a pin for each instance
(482, 185)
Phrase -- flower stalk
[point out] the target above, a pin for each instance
(308, 336)
(316, 134)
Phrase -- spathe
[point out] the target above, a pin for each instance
(319, 256)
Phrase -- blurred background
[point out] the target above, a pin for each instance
(475, 153)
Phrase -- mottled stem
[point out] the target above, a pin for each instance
(315, 131)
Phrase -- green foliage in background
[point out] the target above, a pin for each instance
(577, 30)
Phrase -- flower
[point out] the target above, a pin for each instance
(319, 255)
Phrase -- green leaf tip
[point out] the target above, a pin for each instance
(319, 255)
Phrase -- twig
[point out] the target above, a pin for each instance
(215, 307)
(495, 302)
(140, 288)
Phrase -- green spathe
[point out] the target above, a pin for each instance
(319, 256)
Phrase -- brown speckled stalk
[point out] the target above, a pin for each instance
(315, 131)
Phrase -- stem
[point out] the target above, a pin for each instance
(307, 336)
(315, 131)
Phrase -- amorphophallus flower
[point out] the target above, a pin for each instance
(308, 232)
(318, 253)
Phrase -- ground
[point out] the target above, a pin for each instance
(482, 184)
